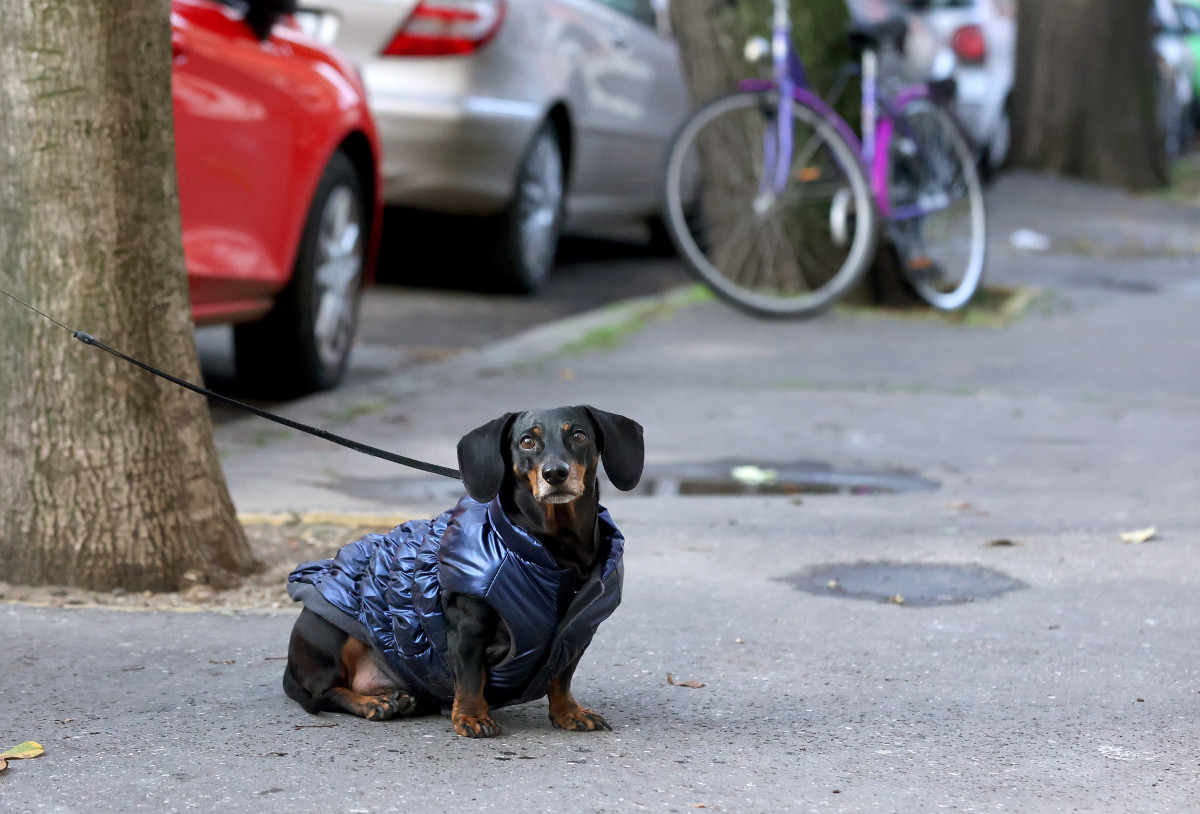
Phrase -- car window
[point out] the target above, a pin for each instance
(1190, 16)
(640, 10)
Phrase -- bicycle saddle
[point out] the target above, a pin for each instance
(866, 34)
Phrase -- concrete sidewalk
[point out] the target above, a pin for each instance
(1070, 681)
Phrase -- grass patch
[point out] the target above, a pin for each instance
(1185, 181)
(354, 411)
(630, 319)
(991, 307)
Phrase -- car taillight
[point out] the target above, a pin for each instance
(969, 44)
(444, 27)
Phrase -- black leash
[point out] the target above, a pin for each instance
(366, 449)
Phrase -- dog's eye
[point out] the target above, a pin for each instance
(527, 443)
(579, 437)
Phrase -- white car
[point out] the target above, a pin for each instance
(983, 35)
(1176, 65)
(531, 113)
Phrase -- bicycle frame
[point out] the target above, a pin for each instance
(879, 117)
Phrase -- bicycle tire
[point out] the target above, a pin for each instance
(943, 252)
(765, 273)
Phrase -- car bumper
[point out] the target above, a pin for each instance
(454, 154)
(981, 103)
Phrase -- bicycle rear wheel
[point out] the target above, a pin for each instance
(937, 219)
(788, 252)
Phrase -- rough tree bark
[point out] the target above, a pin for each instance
(712, 34)
(1084, 100)
(110, 477)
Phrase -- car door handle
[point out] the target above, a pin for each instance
(618, 39)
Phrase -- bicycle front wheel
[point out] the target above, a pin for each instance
(936, 215)
(776, 238)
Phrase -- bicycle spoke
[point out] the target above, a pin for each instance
(771, 250)
(942, 245)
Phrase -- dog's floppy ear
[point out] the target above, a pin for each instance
(481, 458)
(621, 447)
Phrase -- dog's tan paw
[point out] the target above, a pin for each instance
(580, 719)
(476, 726)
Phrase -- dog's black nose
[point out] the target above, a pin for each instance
(556, 473)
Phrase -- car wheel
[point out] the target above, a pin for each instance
(1168, 112)
(1000, 142)
(304, 343)
(526, 233)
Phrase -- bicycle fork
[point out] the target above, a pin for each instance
(778, 140)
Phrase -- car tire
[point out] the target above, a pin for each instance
(303, 344)
(1000, 142)
(525, 235)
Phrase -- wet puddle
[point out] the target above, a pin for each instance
(718, 478)
(913, 585)
(799, 478)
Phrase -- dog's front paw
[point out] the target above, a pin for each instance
(475, 726)
(579, 719)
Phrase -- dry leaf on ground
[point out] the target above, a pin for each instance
(1139, 536)
(21, 751)
(695, 685)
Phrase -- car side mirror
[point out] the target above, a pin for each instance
(261, 15)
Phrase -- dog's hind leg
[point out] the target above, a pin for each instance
(367, 689)
(329, 670)
(314, 661)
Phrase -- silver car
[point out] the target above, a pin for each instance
(538, 114)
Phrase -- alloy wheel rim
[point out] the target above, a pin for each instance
(539, 204)
(339, 263)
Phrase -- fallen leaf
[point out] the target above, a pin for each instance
(22, 751)
(695, 685)
(895, 599)
(1003, 542)
(753, 476)
(1138, 536)
(227, 661)
(960, 505)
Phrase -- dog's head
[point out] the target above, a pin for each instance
(552, 455)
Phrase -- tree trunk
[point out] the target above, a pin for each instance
(110, 477)
(1084, 100)
(712, 34)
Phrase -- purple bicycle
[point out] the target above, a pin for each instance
(776, 204)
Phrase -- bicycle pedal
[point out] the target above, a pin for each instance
(922, 267)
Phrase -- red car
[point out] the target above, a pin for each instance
(279, 190)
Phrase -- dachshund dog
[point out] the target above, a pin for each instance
(492, 602)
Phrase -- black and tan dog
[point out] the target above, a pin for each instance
(491, 603)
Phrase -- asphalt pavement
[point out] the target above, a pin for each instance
(938, 612)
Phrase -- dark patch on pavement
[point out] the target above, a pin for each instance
(915, 585)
